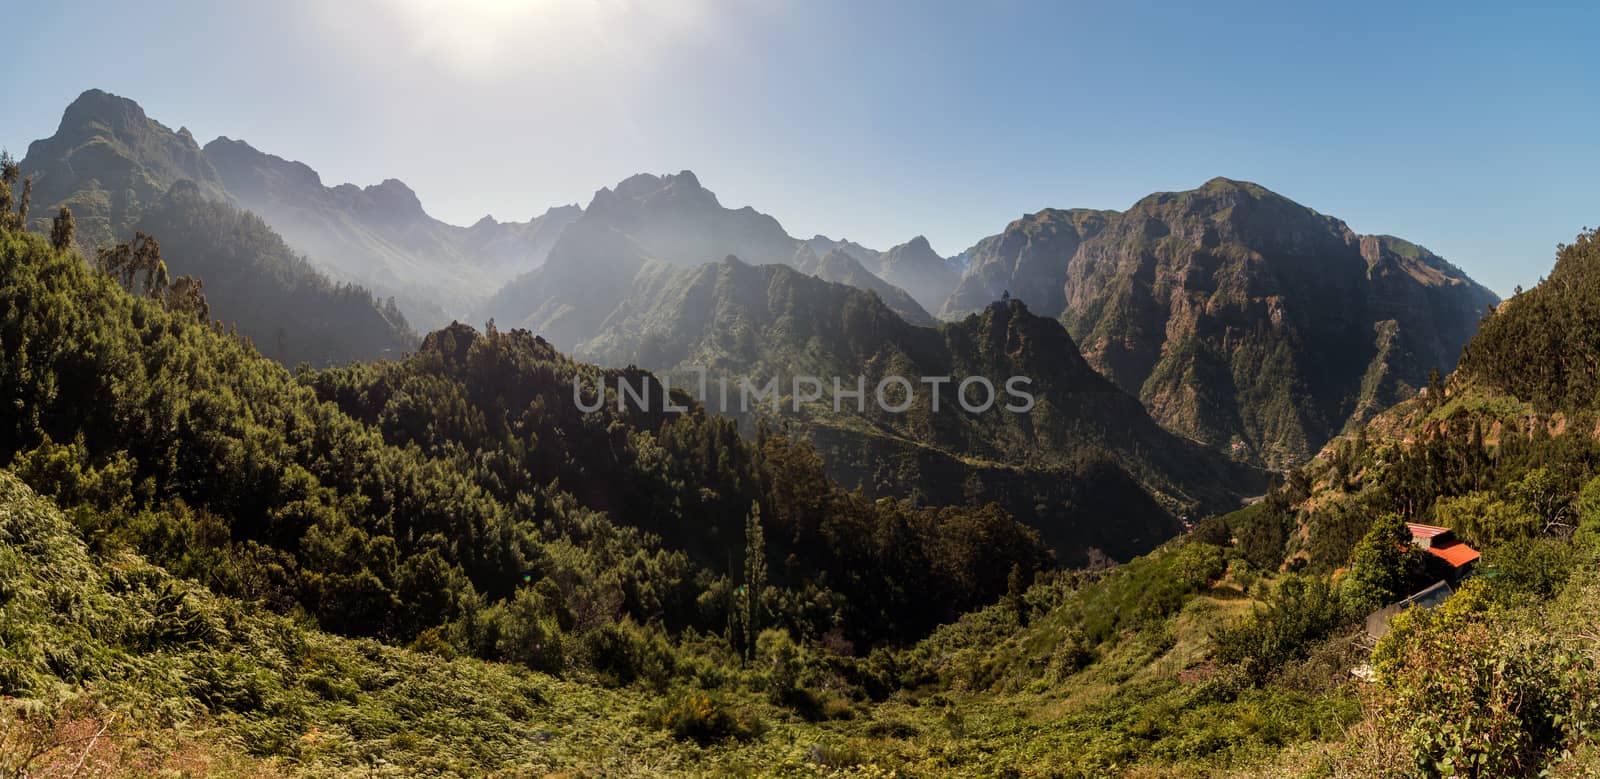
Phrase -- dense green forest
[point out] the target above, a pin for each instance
(1544, 345)
(423, 499)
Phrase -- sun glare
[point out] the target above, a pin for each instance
(483, 37)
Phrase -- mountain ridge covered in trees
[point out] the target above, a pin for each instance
(738, 321)
(119, 173)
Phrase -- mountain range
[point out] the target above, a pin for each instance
(380, 236)
(109, 162)
(462, 553)
(840, 267)
(121, 173)
(1238, 318)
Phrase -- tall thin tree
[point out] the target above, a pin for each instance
(755, 576)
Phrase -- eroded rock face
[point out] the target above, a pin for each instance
(1239, 317)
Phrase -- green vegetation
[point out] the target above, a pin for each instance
(110, 174)
(1541, 345)
(259, 286)
(1084, 450)
(328, 498)
(438, 565)
(1385, 566)
(420, 501)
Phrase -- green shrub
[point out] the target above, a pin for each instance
(704, 718)
(1481, 518)
(1470, 693)
(1299, 613)
(622, 653)
(1538, 567)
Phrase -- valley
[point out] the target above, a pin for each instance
(300, 479)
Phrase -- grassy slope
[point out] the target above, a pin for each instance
(1048, 699)
(205, 685)
(188, 681)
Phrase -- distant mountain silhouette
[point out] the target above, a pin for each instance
(381, 237)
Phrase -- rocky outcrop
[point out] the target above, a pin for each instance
(1239, 317)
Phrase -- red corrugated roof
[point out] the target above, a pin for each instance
(1425, 531)
(1456, 555)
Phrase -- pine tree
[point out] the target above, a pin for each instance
(24, 202)
(9, 172)
(1016, 586)
(755, 576)
(61, 229)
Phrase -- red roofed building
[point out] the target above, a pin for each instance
(1452, 558)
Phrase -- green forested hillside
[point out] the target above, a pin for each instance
(436, 565)
(111, 666)
(1240, 649)
(1544, 344)
(257, 285)
(109, 162)
(1087, 465)
(418, 500)
(120, 173)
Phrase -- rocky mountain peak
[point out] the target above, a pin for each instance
(805, 259)
(109, 161)
(569, 211)
(684, 180)
(1167, 300)
(917, 268)
(394, 196)
(95, 106)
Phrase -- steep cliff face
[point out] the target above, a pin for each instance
(841, 268)
(1238, 317)
(1029, 257)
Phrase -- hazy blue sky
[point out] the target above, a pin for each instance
(1473, 129)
